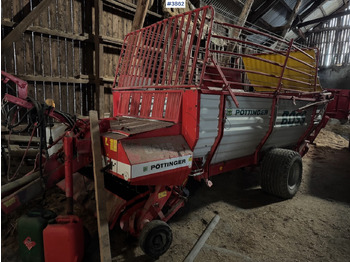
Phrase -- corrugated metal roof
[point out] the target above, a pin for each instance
(279, 11)
(291, 3)
(277, 15)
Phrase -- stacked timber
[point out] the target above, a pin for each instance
(18, 155)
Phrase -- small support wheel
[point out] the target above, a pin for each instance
(281, 172)
(156, 238)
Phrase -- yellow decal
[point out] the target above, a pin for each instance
(114, 145)
(10, 202)
(50, 102)
(162, 194)
(106, 141)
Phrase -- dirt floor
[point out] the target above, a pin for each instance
(253, 226)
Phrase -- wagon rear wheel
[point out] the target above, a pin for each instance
(156, 238)
(281, 173)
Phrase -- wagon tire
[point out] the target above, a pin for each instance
(155, 238)
(281, 173)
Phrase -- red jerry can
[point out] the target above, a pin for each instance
(64, 241)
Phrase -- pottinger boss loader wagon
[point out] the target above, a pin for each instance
(192, 99)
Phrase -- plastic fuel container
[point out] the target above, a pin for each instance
(30, 234)
(64, 240)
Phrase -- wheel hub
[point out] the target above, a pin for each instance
(294, 175)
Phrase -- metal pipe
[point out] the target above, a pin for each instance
(68, 168)
(201, 241)
(284, 66)
(6, 189)
(195, 57)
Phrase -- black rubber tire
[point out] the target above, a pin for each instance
(281, 172)
(156, 238)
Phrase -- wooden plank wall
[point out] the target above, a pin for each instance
(56, 53)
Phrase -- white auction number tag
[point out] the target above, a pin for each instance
(175, 3)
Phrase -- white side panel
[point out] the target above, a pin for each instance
(244, 127)
(247, 125)
(290, 124)
(149, 168)
(208, 124)
(121, 168)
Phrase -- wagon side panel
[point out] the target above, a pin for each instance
(291, 124)
(208, 124)
(244, 127)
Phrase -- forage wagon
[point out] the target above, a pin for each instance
(195, 97)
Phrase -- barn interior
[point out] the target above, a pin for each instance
(68, 52)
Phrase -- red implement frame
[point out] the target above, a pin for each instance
(76, 151)
(192, 50)
(163, 71)
(339, 108)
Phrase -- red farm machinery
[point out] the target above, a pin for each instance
(193, 97)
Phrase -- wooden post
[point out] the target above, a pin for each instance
(100, 92)
(243, 16)
(23, 25)
(100, 193)
(140, 14)
(236, 32)
(291, 18)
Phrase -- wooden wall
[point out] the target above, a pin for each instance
(56, 54)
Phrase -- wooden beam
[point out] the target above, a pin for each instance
(108, 79)
(17, 151)
(235, 33)
(112, 40)
(53, 32)
(100, 93)
(318, 30)
(100, 193)
(55, 79)
(306, 12)
(80, 79)
(323, 19)
(20, 139)
(16, 33)
(140, 14)
(129, 6)
(46, 31)
(243, 16)
(291, 18)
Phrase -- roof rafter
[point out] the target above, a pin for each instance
(322, 19)
(256, 15)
